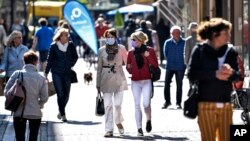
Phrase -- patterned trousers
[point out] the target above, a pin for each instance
(214, 120)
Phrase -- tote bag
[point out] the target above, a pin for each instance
(51, 88)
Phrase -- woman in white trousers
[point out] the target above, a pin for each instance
(111, 80)
(138, 63)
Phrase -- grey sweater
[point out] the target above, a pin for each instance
(36, 95)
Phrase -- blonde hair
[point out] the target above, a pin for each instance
(12, 36)
(139, 35)
(59, 33)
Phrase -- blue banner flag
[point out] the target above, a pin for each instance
(81, 21)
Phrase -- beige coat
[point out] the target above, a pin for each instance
(107, 80)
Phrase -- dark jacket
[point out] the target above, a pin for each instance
(203, 66)
(59, 61)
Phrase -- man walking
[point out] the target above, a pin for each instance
(42, 40)
(174, 54)
(190, 41)
(144, 29)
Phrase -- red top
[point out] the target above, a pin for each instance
(100, 30)
(143, 73)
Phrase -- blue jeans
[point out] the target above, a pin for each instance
(62, 83)
(179, 75)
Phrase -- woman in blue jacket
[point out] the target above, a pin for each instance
(13, 54)
(62, 57)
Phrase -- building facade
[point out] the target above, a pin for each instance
(237, 12)
(182, 12)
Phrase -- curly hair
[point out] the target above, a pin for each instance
(212, 28)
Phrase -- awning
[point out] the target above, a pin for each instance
(134, 8)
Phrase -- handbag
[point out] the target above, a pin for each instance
(191, 104)
(51, 88)
(73, 76)
(155, 73)
(99, 109)
(15, 96)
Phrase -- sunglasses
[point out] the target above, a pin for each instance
(133, 39)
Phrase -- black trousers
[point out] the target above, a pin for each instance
(20, 127)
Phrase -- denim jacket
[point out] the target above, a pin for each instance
(13, 59)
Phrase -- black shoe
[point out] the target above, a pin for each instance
(148, 126)
(64, 119)
(165, 105)
(108, 134)
(178, 106)
(140, 132)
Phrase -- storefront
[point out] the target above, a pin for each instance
(237, 12)
(245, 34)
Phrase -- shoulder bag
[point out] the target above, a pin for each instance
(73, 76)
(16, 94)
(155, 72)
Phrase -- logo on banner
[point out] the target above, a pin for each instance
(81, 21)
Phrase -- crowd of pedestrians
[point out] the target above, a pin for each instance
(145, 44)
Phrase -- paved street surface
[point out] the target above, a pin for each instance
(83, 125)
